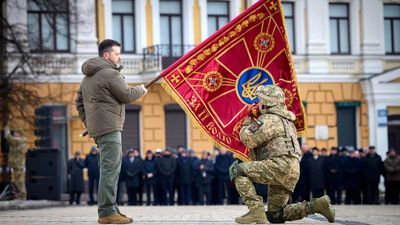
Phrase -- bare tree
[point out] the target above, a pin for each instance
(18, 66)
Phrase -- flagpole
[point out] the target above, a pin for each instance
(152, 81)
(147, 85)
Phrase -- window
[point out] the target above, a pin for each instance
(218, 15)
(131, 129)
(171, 28)
(288, 9)
(392, 28)
(175, 125)
(123, 20)
(48, 26)
(346, 123)
(339, 28)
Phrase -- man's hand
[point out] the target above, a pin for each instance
(235, 170)
(144, 88)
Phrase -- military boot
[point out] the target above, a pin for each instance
(323, 206)
(254, 216)
(123, 215)
(114, 219)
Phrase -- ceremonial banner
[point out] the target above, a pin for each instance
(215, 82)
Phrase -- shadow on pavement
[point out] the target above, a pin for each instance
(344, 222)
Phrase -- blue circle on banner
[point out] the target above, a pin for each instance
(248, 82)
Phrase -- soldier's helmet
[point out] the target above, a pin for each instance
(270, 95)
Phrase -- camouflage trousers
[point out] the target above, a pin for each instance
(281, 175)
(18, 178)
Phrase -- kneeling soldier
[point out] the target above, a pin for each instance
(275, 156)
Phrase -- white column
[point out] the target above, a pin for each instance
(187, 19)
(367, 90)
(317, 31)
(85, 27)
(299, 25)
(86, 40)
(382, 139)
(140, 23)
(372, 35)
(108, 19)
(355, 27)
(17, 15)
(156, 22)
(234, 8)
(318, 27)
(203, 19)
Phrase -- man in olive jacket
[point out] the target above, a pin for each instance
(101, 103)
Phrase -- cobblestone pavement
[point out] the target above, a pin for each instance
(347, 215)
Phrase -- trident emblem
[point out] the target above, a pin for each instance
(250, 86)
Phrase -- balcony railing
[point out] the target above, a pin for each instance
(165, 50)
(168, 53)
(59, 64)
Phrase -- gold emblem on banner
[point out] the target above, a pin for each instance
(288, 98)
(212, 81)
(251, 85)
(264, 43)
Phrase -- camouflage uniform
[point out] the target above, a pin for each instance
(16, 160)
(275, 157)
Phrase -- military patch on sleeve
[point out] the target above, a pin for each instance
(255, 126)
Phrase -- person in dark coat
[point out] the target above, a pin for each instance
(177, 154)
(184, 172)
(316, 173)
(92, 165)
(392, 177)
(160, 197)
(222, 163)
(205, 169)
(363, 186)
(372, 169)
(75, 175)
(166, 167)
(150, 178)
(133, 170)
(333, 171)
(351, 178)
(195, 173)
(302, 189)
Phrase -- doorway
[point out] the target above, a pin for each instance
(394, 132)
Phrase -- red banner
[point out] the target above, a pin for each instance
(215, 82)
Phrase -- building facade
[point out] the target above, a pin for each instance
(346, 54)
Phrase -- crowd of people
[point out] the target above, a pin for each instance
(354, 174)
(164, 177)
(178, 176)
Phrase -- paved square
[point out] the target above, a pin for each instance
(347, 215)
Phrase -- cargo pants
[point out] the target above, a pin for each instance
(280, 174)
(110, 158)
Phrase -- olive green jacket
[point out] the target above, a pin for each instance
(102, 97)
